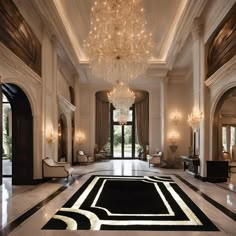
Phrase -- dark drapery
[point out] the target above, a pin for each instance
(142, 120)
(102, 120)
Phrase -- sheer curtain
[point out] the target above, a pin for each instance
(142, 120)
(102, 120)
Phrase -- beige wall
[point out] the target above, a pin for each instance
(179, 99)
(63, 86)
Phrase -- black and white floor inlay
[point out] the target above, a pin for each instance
(130, 203)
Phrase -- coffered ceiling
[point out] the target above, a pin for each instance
(169, 21)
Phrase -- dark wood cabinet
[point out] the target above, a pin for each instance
(191, 164)
(217, 171)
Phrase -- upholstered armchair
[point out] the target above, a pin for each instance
(53, 169)
(155, 159)
(83, 157)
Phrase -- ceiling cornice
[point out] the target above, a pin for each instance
(220, 11)
(193, 10)
(54, 24)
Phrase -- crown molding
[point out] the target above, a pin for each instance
(192, 10)
(53, 23)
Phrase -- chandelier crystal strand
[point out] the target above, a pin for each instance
(118, 46)
(195, 118)
(122, 116)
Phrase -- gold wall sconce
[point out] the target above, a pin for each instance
(176, 116)
(50, 137)
(80, 137)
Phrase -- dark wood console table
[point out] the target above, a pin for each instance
(191, 164)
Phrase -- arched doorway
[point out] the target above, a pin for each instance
(22, 134)
(224, 127)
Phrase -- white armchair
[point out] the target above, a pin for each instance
(155, 159)
(53, 169)
(83, 158)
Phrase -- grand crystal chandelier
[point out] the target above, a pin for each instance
(122, 99)
(118, 46)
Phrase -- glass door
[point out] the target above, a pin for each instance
(128, 141)
(117, 141)
(122, 136)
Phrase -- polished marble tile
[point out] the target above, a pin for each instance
(30, 197)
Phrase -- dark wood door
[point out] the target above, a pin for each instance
(22, 136)
(22, 153)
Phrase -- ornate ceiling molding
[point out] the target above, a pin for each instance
(193, 10)
(17, 67)
(226, 70)
(53, 23)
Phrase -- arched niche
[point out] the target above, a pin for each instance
(62, 138)
(66, 110)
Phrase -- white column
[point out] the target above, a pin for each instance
(54, 113)
(200, 93)
(164, 118)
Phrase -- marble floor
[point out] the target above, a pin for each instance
(26, 209)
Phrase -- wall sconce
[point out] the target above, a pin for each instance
(175, 117)
(59, 130)
(80, 137)
(173, 137)
(50, 137)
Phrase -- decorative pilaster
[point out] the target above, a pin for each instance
(49, 67)
(164, 119)
(197, 56)
(66, 108)
(54, 114)
(199, 92)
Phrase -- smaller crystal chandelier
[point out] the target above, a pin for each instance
(121, 96)
(122, 99)
(195, 118)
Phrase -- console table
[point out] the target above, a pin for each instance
(191, 164)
